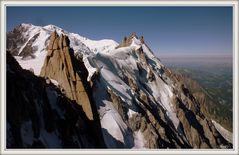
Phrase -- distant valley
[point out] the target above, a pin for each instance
(214, 75)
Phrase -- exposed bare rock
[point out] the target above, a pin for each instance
(135, 122)
(150, 75)
(119, 105)
(141, 54)
(142, 39)
(140, 102)
(71, 74)
(151, 138)
(127, 40)
(143, 97)
(53, 38)
(198, 130)
(133, 85)
(15, 39)
(29, 49)
(40, 116)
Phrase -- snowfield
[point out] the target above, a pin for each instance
(114, 66)
(33, 64)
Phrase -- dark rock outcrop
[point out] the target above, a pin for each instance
(142, 39)
(194, 130)
(39, 112)
(16, 39)
(29, 49)
(22, 43)
(127, 40)
(40, 116)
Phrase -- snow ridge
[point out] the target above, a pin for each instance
(113, 64)
(130, 73)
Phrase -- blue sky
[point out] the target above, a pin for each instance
(167, 30)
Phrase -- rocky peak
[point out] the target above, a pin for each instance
(71, 74)
(142, 39)
(133, 34)
(154, 110)
(15, 39)
(128, 40)
(40, 116)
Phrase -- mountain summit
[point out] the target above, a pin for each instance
(138, 101)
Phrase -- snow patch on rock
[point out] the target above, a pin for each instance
(138, 140)
(224, 132)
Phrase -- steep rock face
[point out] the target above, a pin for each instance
(128, 40)
(40, 116)
(145, 104)
(141, 103)
(61, 65)
(22, 43)
(15, 39)
(29, 49)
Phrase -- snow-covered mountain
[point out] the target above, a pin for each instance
(139, 102)
(29, 42)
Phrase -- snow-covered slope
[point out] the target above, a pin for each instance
(140, 103)
(114, 67)
(35, 60)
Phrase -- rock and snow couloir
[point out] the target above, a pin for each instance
(139, 102)
(39, 115)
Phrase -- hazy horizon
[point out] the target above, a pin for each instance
(212, 61)
(167, 30)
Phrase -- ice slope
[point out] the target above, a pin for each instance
(113, 65)
(33, 64)
(95, 46)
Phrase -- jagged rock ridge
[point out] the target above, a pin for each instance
(140, 103)
(61, 65)
(142, 97)
(40, 116)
